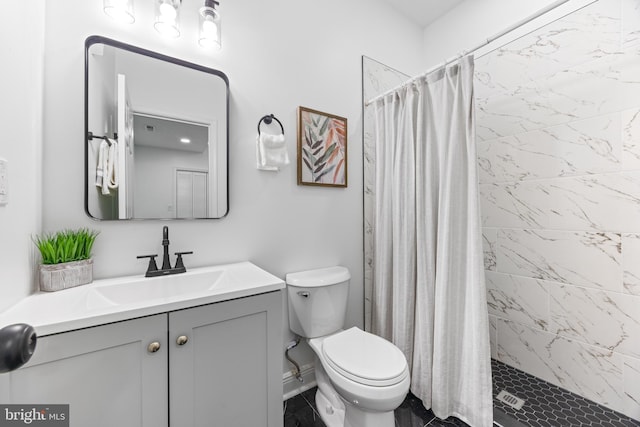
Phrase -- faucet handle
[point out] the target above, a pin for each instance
(152, 263)
(179, 263)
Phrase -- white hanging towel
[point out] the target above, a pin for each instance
(107, 170)
(112, 171)
(102, 154)
(271, 152)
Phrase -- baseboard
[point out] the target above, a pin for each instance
(292, 387)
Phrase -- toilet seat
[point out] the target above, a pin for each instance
(365, 358)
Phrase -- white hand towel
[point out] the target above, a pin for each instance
(112, 175)
(102, 154)
(110, 166)
(272, 151)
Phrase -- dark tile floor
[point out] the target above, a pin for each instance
(549, 405)
(545, 406)
(300, 411)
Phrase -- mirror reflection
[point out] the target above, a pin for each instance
(164, 154)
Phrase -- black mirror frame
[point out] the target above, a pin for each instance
(91, 40)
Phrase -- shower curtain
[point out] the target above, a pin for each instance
(429, 292)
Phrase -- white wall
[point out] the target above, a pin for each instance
(168, 91)
(278, 55)
(154, 187)
(20, 144)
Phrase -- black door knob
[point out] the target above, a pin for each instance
(17, 344)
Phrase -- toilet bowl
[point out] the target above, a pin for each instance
(367, 373)
(361, 377)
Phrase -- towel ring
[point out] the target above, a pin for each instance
(268, 119)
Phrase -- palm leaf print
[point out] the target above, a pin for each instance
(323, 148)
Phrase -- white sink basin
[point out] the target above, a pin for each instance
(122, 298)
(159, 288)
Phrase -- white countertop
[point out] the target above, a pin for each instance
(122, 298)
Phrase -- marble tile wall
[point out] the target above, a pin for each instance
(558, 126)
(376, 79)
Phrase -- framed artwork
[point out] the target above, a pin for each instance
(322, 148)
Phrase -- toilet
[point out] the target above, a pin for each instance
(361, 377)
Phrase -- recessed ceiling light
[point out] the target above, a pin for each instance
(185, 140)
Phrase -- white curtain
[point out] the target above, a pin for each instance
(429, 291)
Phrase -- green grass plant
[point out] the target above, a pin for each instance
(66, 245)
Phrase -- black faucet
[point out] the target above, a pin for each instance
(152, 269)
(166, 264)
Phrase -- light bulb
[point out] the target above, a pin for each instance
(209, 27)
(168, 12)
(120, 10)
(167, 18)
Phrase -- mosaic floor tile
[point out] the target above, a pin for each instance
(546, 405)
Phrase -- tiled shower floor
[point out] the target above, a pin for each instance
(549, 405)
(545, 406)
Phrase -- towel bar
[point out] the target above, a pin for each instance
(268, 119)
(90, 137)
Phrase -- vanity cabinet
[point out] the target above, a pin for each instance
(212, 365)
(104, 374)
(228, 373)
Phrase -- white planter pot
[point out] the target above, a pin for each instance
(55, 277)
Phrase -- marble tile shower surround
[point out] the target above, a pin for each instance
(558, 144)
(558, 126)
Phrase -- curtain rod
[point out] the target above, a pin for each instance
(502, 33)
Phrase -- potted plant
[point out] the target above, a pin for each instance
(66, 258)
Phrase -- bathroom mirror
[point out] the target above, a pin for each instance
(156, 135)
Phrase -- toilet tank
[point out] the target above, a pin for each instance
(317, 300)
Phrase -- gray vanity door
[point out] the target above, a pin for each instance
(226, 363)
(106, 374)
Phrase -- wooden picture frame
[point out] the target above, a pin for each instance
(322, 148)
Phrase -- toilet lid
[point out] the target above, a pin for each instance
(365, 358)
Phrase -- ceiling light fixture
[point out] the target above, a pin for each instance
(185, 140)
(120, 10)
(210, 31)
(167, 14)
